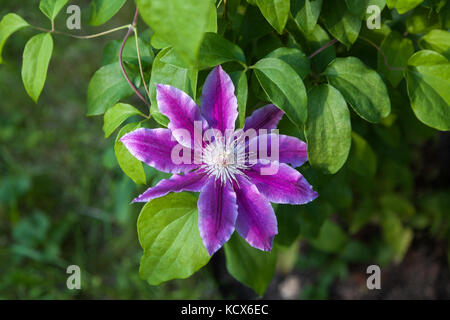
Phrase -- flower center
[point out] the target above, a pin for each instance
(225, 157)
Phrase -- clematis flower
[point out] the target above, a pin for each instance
(235, 194)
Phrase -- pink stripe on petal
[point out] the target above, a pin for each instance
(256, 221)
(182, 112)
(193, 182)
(154, 147)
(217, 212)
(290, 149)
(266, 117)
(218, 103)
(287, 185)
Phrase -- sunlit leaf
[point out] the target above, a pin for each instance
(306, 14)
(51, 8)
(36, 58)
(181, 23)
(131, 166)
(275, 11)
(428, 79)
(437, 40)
(168, 233)
(103, 10)
(8, 25)
(403, 6)
(116, 115)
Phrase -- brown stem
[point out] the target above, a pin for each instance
(329, 44)
(130, 30)
(382, 53)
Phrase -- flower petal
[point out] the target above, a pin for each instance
(217, 212)
(290, 149)
(218, 103)
(154, 147)
(256, 221)
(193, 181)
(287, 185)
(266, 117)
(182, 112)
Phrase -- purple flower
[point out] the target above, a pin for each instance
(235, 193)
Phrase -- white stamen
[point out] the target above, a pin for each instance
(225, 157)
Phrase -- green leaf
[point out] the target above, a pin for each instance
(317, 39)
(158, 43)
(362, 159)
(168, 233)
(328, 129)
(395, 234)
(111, 53)
(428, 82)
(312, 217)
(289, 224)
(357, 7)
(276, 12)
(284, 87)
(51, 8)
(293, 57)
(252, 267)
(437, 40)
(106, 88)
(422, 20)
(379, 3)
(239, 79)
(216, 50)
(165, 73)
(116, 115)
(331, 238)
(182, 23)
(397, 50)
(306, 14)
(340, 22)
(36, 58)
(403, 6)
(362, 87)
(8, 25)
(101, 11)
(131, 166)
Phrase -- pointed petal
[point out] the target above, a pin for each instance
(182, 112)
(217, 212)
(290, 149)
(266, 117)
(154, 147)
(256, 221)
(218, 103)
(287, 185)
(193, 181)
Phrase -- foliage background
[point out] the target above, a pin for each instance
(64, 200)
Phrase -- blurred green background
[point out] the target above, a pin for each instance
(63, 197)
(65, 201)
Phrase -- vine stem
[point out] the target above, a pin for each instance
(329, 44)
(384, 56)
(122, 67)
(83, 37)
(140, 62)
